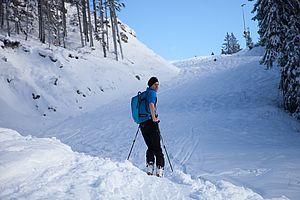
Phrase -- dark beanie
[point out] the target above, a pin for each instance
(152, 80)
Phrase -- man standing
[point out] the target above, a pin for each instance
(151, 133)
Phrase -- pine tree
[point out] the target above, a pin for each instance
(279, 28)
(20, 16)
(234, 44)
(270, 16)
(230, 45)
(249, 42)
(290, 65)
(226, 44)
(113, 6)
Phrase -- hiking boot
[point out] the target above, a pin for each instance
(150, 168)
(159, 171)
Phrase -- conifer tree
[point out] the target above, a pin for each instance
(279, 28)
(235, 46)
(249, 42)
(113, 6)
(290, 65)
(49, 17)
(226, 44)
(270, 16)
(230, 45)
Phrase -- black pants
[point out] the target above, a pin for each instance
(151, 136)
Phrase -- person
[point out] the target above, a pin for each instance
(151, 133)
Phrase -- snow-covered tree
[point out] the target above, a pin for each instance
(226, 45)
(279, 28)
(48, 18)
(249, 42)
(271, 17)
(230, 45)
(290, 67)
(115, 5)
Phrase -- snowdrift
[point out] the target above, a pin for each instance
(44, 168)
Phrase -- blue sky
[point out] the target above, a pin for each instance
(183, 29)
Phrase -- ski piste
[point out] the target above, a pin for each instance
(219, 118)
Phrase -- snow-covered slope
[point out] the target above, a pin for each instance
(57, 83)
(220, 120)
(44, 168)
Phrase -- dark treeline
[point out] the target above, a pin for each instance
(46, 19)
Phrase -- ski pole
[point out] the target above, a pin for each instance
(165, 150)
(133, 142)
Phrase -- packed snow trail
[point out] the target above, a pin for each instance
(221, 124)
(231, 128)
(220, 121)
(44, 168)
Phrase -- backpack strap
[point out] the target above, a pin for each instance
(140, 101)
(147, 103)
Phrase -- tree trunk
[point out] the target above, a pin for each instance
(84, 21)
(16, 19)
(95, 15)
(63, 10)
(117, 30)
(90, 24)
(113, 27)
(27, 23)
(49, 22)
(41, 22)
(78, 13)
(1, 14)
(102, 27)
(58, 11)
(106, 24)
(7, 20)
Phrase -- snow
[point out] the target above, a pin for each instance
(221, 122)
(44, 168)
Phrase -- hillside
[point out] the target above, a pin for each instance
(220, 120)
(58, 83)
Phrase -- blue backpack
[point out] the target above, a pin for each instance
(140, 107)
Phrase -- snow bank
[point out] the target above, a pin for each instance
(44, 168)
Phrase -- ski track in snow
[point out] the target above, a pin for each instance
(203, 112)
(221, 125)
(71, 175)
